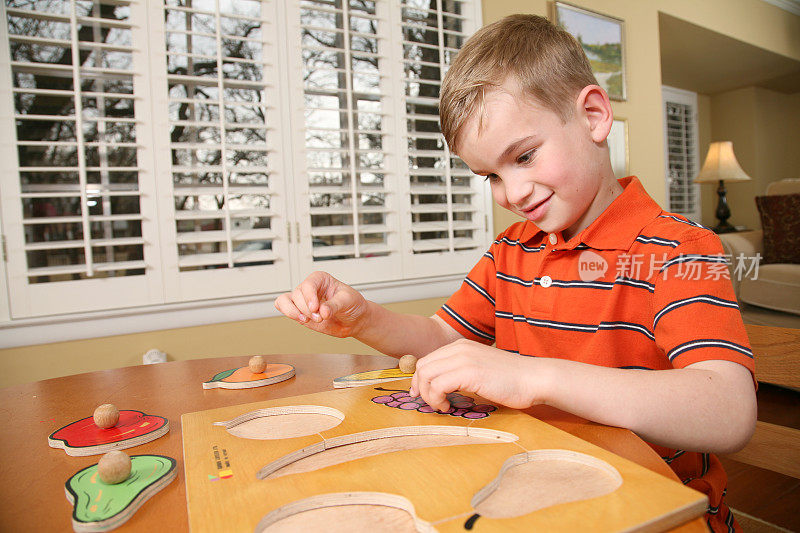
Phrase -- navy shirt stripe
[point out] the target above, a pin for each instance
(569, 326)
(704, 298)
(708, 343)
(658, 240)
(458, 318)
(524, 248)
(688, 258)
(480, 290)
(576, 284)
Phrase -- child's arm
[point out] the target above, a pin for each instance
(708, 406)
(324, 304)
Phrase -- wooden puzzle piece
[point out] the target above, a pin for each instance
(84, 437)
(441, 481)
(98, 506)
(371, 377)
(243, 378)
(460, 405)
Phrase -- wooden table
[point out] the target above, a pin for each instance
(32, 494)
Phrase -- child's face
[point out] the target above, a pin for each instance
(540, 168)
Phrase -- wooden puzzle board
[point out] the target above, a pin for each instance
(441, 482)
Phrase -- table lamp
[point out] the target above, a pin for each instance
(721, 165)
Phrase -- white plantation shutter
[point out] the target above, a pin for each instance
(348, 203)
(680, 109)
(79, 171)
(382, 185)
(448, 204)
(223, 131)
(157, 152)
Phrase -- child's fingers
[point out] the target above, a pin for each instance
(419, 371)
(309, 291)
(284, 304)
(299, 300)
(329, 308)
(323, 284)
(340, 301)
(423, 387)
(440, 387)
(432, 381)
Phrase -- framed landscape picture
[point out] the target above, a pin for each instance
(602, 38)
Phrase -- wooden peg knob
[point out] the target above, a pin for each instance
(114, 467)
(257, 364)
(408, 364)
(106, 415)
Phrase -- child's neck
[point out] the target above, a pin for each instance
(607, 192)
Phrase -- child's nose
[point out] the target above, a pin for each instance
(518, 192)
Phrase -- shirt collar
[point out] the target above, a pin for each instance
(617, 226)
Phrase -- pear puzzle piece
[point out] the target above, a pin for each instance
(243, 378)
(84, 437)
(98, 506)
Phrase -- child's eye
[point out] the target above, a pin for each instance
(526, 157)
(491, 177)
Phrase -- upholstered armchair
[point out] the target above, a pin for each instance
(772, 297)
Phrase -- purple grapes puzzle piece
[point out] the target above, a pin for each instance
(460, 405)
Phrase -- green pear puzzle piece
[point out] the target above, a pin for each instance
(98, 506)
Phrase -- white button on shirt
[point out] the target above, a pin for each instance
(553, 238)
(546, 281)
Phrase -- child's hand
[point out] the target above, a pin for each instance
(465, 365)
(324, 304)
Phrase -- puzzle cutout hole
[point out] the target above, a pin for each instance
(283, 422)
(345, 513)
(538, 479)
(358, 446)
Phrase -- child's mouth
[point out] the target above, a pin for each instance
(538, 210)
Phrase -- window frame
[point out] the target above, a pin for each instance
(424, 279)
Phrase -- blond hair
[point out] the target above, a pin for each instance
(547, 63)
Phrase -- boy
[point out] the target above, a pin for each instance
(599, 303)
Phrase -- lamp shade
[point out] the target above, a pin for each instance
(721, 164)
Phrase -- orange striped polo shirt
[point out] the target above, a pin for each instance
(639, 288)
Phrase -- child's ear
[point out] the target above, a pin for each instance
(595, 108)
